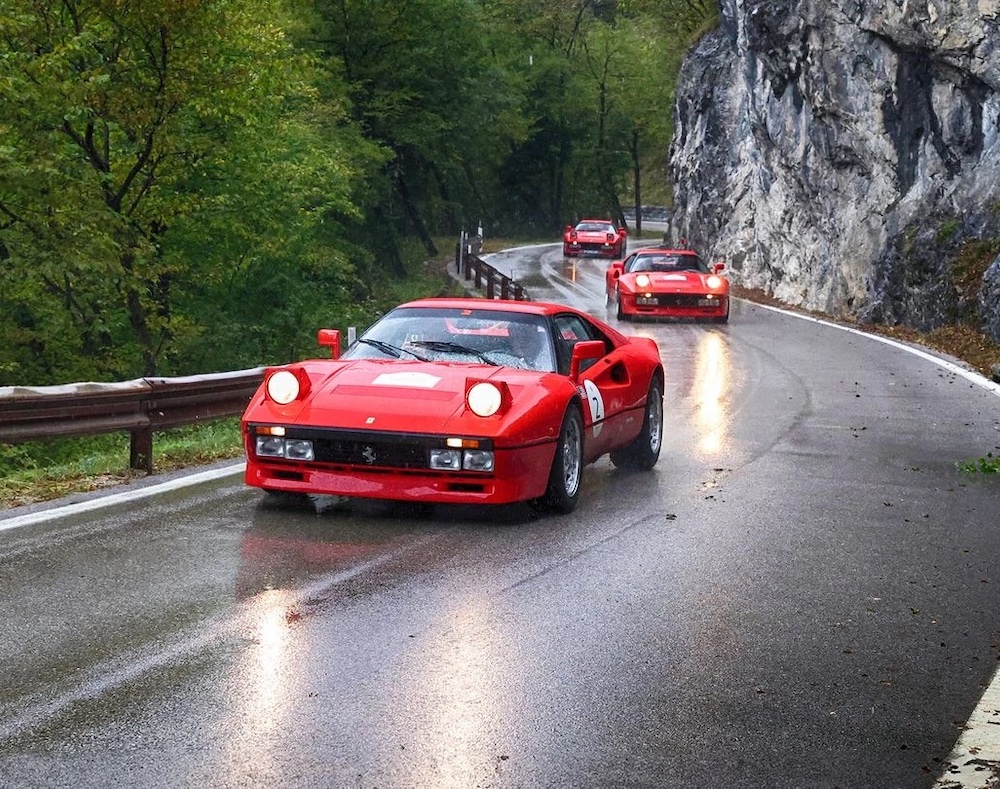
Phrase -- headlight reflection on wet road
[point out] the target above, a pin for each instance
(460, 699)
(709, 389)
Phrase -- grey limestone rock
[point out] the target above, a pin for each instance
(838, 153)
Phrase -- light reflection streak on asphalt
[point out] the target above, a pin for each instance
(460, 698)
(710, 381)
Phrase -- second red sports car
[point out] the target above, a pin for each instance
(661, 282)
(474, 401)
(596, 237)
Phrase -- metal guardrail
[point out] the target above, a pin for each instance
(142, 406)
(139, 407)
(482, 275)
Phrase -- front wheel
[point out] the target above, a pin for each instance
(621, 313)
(644, 450)
(566, 473)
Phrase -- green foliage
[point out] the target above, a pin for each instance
(196, 185)
(990, 464)
(143, 145)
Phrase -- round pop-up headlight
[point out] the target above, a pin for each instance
(714, 282)
(642, 281)
(484, 399)
(283, 387)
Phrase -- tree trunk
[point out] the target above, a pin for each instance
(414, 215)
(637, 176)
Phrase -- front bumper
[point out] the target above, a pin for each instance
(589, 248)
(676, 305)
(395, 467)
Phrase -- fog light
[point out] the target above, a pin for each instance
(298, 449)
(477, 460)
(446, 459)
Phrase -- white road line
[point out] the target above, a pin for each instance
(969, 375)
(974, 762)
(120, 498)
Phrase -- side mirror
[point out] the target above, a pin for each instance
(567, 228)
(718, 266)
(330, 338)
(584, 352)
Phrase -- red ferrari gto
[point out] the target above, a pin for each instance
(595, 236)
(667, 283)
(459, 400)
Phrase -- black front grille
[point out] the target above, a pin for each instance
(371, 448)
(679, 300)
(371, 452)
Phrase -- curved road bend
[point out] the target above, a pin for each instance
(803, 593)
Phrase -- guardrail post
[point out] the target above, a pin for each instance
(140, 455)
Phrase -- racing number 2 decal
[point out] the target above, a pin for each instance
(596, 403)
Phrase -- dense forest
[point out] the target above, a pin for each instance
(190, 186)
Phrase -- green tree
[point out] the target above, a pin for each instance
(130, 132)
(425, 87)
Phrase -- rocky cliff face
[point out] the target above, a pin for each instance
(844, 155)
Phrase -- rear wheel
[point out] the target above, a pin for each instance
(566, 473)
(644, 450)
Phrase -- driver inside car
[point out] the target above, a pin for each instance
(529, 343)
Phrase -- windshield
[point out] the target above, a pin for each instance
(595, 227)
(489, 337)
(661, 262)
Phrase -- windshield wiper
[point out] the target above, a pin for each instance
(453, 347)
(389, 348)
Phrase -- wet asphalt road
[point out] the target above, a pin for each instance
(802, 594)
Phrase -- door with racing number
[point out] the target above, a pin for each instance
(604, 384)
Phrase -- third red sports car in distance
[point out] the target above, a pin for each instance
(661, 282)
(596, 237)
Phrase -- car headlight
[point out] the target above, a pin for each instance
(642, 281)
(283, 387)
(484, 399)
(271, 446)
(714, 282)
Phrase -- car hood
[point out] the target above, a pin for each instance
(397, 396)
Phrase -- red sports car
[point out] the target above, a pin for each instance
(462, 401)
(595, 236)
(667, 283)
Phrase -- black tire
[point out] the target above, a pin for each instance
(566, 473)
(644, 450)
(722, 318)
(621, 315)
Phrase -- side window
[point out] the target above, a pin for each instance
(571, 329)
